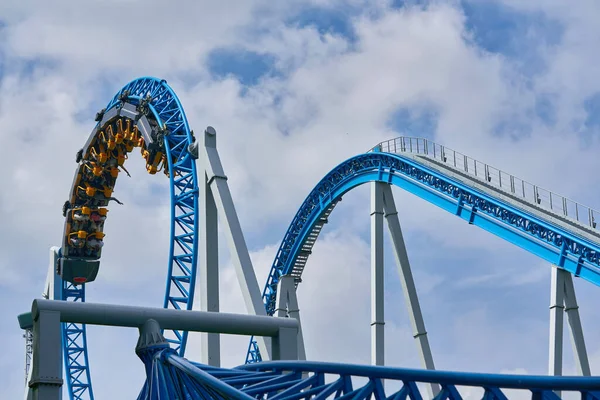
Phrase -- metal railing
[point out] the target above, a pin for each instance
(518, 187)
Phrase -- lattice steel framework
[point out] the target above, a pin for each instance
(154, 98)
(552, 243)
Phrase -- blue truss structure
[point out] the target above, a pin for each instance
(159, 100)
(169, 376)
(578, 255)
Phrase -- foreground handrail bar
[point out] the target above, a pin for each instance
(567, 383)
(134, 317)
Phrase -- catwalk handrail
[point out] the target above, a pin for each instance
(516, 186)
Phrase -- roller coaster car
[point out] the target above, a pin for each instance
(82, 245)
(78, 270)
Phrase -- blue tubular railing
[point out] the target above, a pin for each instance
(287, 380)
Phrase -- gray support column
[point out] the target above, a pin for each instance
(377, 273)
(46, 378)
(235, 238)
(209, 265)
(572, 311)
(52, 291)
(285, 344)
(287, 305)
(556, 323)
(408, 284)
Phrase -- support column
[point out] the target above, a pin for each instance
(240, 257)
(52, 291)
(408, 284)
(46, 377)
(209, 265)
(287, 305)
(556, 323)
(577, 340)
(377, 272)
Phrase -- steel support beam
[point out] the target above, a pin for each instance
(557, 292)
(287, 305)
(217, 181)
(377, 276)
(47, 315)
(408, 284)
(52, 291)
(210, 345)
(135, 316)
(572, 311)
(46, 377)
(563, 300)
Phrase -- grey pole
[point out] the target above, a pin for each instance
(208, 273)
(408, 284)
(377, 276)
(287, 305)
(46, 376)
(217, 181)
(134, 317)
(572, 311)
(557, 295)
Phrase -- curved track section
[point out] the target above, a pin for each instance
(145, 114)
(541, 236)
(171, 376)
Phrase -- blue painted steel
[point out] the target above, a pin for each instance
(74, 340)
(171, 376)
(166, 109)
(554, 244)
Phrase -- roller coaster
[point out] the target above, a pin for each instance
(146, 114)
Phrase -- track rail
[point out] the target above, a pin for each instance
(152, 106)
(560, 209)
(551, 241)
(174, 377)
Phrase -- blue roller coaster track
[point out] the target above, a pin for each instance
(562, 234)
(154, 98)
(497, 213)
(170, 376)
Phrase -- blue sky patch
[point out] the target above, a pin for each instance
(515, 129)
(592, 108)
(246, 66)
(417, 122)
(519, 36)
(27, 68)
(545, 109)
(327, 20)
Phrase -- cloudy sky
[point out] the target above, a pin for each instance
(293, 88)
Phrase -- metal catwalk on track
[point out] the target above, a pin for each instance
(146, 114)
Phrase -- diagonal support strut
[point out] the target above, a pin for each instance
(287, 305)
(563, 300)
(210, 163)
(408, 284)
